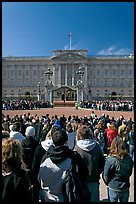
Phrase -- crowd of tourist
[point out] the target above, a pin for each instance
(109, 105)
(37, 152)
(24, 104)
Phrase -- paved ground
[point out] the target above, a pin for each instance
(81, 112)
(69, 111)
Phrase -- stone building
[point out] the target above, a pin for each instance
(68, 75)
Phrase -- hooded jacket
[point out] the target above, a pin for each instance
(91, 152)
(17, 135)
(53, 171)
(40, 151)
(16, 187)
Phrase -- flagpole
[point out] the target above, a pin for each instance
(70, 40)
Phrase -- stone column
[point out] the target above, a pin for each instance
(73, 75)
(66, 73)
(59, 75)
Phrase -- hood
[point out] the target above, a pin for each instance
(15, 134)
(86, 144)
(59, 153)
(46, 144)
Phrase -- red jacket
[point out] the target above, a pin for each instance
(111, 134)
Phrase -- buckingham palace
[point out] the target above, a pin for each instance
(68, 75)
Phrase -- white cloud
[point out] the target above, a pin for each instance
(113, 50)
(66, 47)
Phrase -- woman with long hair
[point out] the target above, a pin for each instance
(117, 171)
(16, 185)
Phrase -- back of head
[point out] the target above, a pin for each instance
(30, 131)
(11, 154)
(124, 122)
(16, 126)
(59, 137)
(83, 132)
(118, 148)
(112, 126)
(69, 127)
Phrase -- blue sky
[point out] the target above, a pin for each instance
(38, 28)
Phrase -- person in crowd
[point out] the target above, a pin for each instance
(5, 130)
(123, 131)
(57, 122)
(29, 145)
(119, 121)
(92, 115)
(54, 165)
(99, 133)
(117, 171)
(16, 134)
(106, 140)
(131, 142)
(102, 118)
(44, 131)
(91, 153)
(16, 185)
(71, 136)
(63, 121)
(111, 134)
(40, 151)
(95, 121)
(130, 122)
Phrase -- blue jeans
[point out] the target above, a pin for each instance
(94, 189)
(115, 196)
(131, 151)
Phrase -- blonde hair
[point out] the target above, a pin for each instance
(118, 148)
(12, 155)
(99, 125)
(112, 126)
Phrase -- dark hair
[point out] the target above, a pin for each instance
(16, 126)
(59, 137)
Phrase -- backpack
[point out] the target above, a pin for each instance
(74, 189)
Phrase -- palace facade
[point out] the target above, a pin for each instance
(66, 74)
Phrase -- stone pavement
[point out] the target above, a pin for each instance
(103, 190)
(69, 111)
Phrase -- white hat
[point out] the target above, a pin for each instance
(30, 131)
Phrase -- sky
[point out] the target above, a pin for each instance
(39, 28)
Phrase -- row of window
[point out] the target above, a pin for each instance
(114, 72)
(41, 73)
(97, 83)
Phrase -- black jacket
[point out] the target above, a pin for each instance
(29, 145)
(16, 187)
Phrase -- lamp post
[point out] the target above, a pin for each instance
(90, 91)
(39, 91)
(80, 85)
(48, 86)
